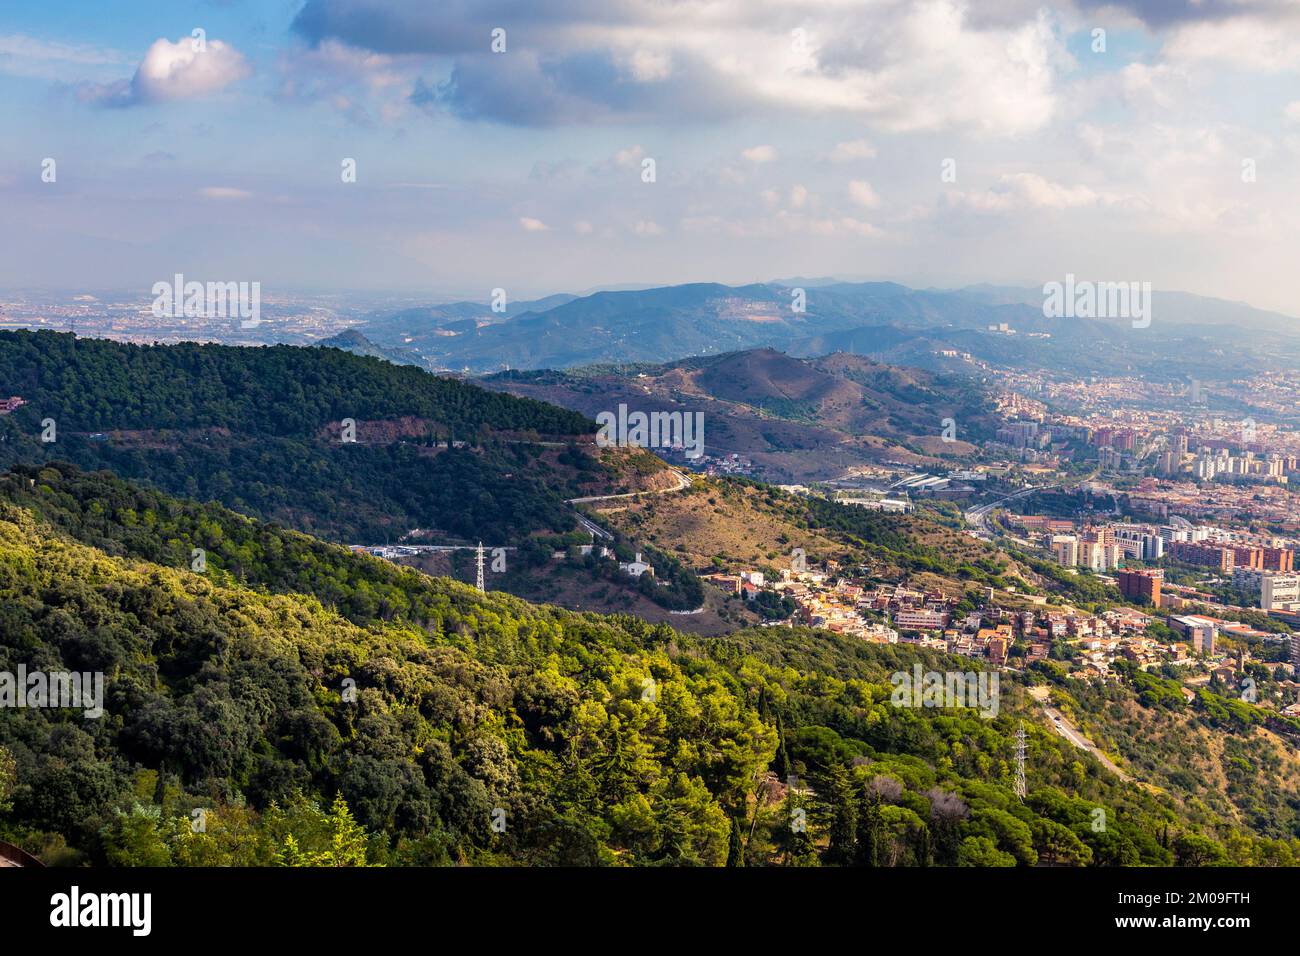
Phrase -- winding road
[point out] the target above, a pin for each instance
(1071, 732)
(683, 482)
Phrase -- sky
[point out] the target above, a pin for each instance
(608, 142)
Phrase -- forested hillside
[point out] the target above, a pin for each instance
(260, 430)
(100, 385)
(320, 706)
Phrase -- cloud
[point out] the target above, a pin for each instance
(1024, 191)
(852, 150)
(902, 64)
(860, 192)
(1265, 45)
(341, 77)
(224, 192)
(759, 154)
(172, 71)
(1159, 14)
(533, 225)
(21, 55)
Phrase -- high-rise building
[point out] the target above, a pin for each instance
(1247, 557)
(1276, 591)
(1065, 548)
(1153, 547)
(1279, 559)
(1208, 555)
(1200, 630)
(1142, 585)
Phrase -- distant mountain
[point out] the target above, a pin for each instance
(797, 419)
(350, 340)
(885, 320)
(427, 329)
(1179, 308)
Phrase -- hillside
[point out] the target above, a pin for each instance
(350, 340)
(798, 420)
(262, 430)
(733, 524)
(1243, 773)
(459, 727)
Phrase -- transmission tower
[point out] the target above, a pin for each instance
(1020, 762)
(479, 562)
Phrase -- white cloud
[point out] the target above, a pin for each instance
(919, 66)
(224, 192)
(900, 64)
(860, 192)
(1292, 112)
(759, 154)
(21, 55)
(649, 66)
(172, 71)
(1022, 191)
(798, 195)
(859, 228)
(648, 227)
(177, 71)
(852, 150)
(533, 225)
(629, 157)
(1255, 44)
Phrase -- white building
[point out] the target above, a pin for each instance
(637, 568)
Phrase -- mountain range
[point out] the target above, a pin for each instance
(883, 320)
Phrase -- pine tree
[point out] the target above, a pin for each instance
(843, 829)
(870, 832)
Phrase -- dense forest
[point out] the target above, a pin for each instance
(294, 703)
(258, 429)
(97, 385)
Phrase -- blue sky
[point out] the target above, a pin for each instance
(789, 138)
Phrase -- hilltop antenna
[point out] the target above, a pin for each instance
(479, 562)
(1020, 762)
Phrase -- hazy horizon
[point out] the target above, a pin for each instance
(930, 143)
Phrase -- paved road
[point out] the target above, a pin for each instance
(682, 483)
(592, 528)
(979, 517)
(1072, 733)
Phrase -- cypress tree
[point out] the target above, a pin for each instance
(735, 849)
